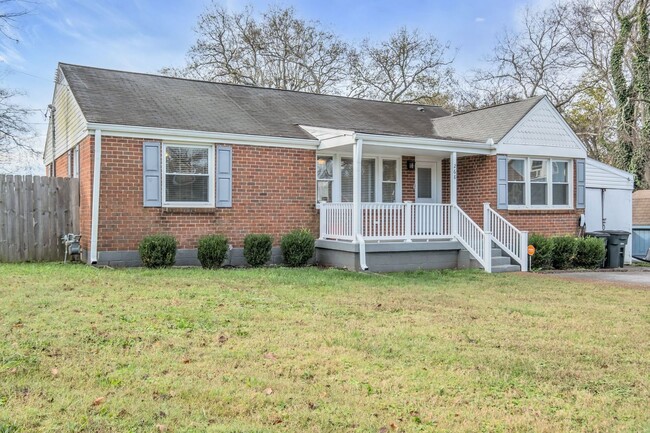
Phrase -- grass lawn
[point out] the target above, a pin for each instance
(313, 350)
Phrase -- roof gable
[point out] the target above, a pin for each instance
(489, 123)
(542, 131)
(641, 208)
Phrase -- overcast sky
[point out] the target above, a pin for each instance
(146, 35)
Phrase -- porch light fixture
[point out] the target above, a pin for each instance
(410, 165)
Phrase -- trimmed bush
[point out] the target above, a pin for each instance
(212, 251)
(257, 249)
(543, 257)
(297, 247)
(590, 253)
(158, 251)
(564, 251)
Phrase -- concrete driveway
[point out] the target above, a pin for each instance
(629, 276)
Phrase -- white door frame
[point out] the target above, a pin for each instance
(436, 180)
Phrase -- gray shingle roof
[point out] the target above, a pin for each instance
(135, 99)
(480, 125)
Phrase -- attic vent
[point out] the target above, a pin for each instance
(421, 109)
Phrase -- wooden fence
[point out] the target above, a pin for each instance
(35, 211)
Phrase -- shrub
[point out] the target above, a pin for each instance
(543, 257)
(257, 249)
(297, 247)
(564, 251)
(212, 251)
(590, 253)
(158, 251)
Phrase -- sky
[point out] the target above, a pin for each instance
(147, 35)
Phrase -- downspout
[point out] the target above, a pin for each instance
(52, 118)
(94, 227)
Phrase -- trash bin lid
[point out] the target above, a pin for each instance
(617, 232)
(597, 234)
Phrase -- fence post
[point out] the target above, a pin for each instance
(454, 220)
(486, 217)
(408, 221)
(524, 252)
(323, 219)
(487, 251)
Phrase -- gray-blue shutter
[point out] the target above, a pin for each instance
(580, 187)
(502, 182)
(224, 176)
(151, 174)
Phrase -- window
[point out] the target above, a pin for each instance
(380, 179)
(188, 175)
(389, 180)
(367, 180)
(539, 183)
(324, 178)
(517, 182)
(560, 183)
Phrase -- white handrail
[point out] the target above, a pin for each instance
(475, 240)
(506, 236)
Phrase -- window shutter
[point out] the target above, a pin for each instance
(224, 176)
(151, 174)
(502, 182)
(580, 187)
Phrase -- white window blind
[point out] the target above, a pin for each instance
(187, 174)
(367, 180)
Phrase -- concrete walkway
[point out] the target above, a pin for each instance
(628, 276)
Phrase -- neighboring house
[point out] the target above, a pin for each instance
(384, 186)
(641, 223)
(609, 200)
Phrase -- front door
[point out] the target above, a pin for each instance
(425, 192)
(425, 182)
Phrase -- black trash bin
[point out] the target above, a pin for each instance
(604, 237)
(616, 248)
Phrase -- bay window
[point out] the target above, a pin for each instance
(188, 175)
(379, 179)
(539, 183)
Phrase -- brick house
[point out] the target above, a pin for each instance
(383, 186)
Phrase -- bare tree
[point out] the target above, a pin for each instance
(408, 67)
(276, 50)
(15, 132)
(540, 59)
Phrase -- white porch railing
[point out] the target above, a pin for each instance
(387, 221)
(407, 222)
(507, 237)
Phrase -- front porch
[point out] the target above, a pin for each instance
(362, 227)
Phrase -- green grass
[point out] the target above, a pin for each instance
(312, 350)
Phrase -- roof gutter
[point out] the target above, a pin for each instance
(186, 135)
(422, 143)
(94, 225)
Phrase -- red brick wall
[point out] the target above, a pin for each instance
(408, 180)
(273, 192)
(477, 184)
(86, 159)
(61, 165)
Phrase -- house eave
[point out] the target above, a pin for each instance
(182, 135)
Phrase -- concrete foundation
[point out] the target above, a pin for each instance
(393, 256)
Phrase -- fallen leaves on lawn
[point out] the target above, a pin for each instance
(55, 372)
(161, 427)
(98, 401)
(268, 391)
(269, 355)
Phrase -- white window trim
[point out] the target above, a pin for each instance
(379, 175)
(211, 177)
(75, 162)
(527, 192)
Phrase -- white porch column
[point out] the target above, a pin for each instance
(453, 196)
(453, 171)
(357, 155)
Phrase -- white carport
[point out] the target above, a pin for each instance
(608, 200)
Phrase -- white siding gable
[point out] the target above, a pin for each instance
(543, 132)
(70, 124)
(600, 175)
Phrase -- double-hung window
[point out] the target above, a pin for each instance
(379, 179)
(188, 175)
(539, 183)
